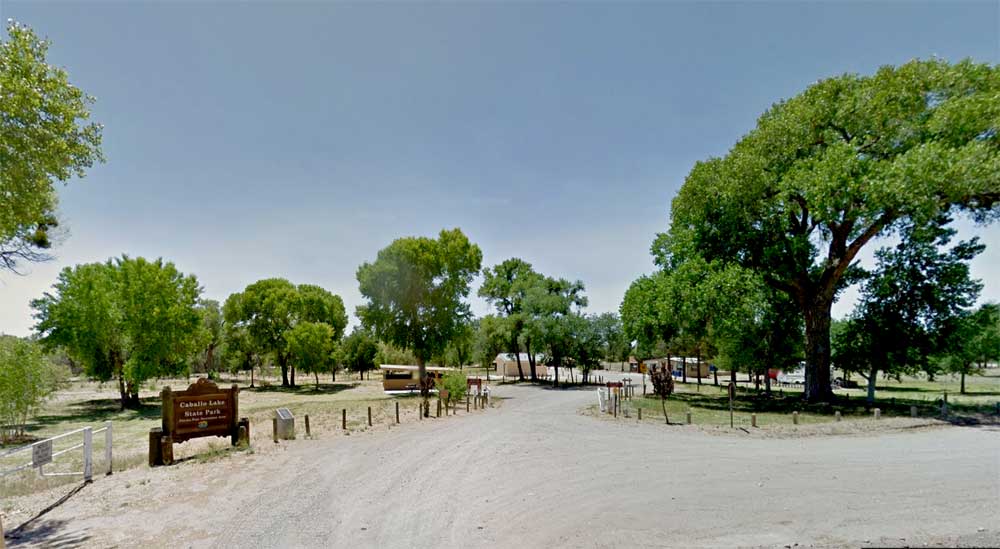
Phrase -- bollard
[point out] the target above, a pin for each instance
(420, 411)
(397, 411)
(467, 403)
(795, 418)
(369, 416)
(308, 434)
(274, 429)
(243, 438)
(614, 405)
(753, 420)
(689, 417)
(343, 419)
(913, 411)
(439, 408)
(640, 414)
(878, 413)
(944, 404)
(837, 415)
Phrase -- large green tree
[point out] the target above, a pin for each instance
(358, 351)
(27, 378)
(45, 137)
(505, 286)
(126, 319)
(850, 159)
(311, 347)
(271, 307)
(972, 341)
(911, 306)
(415, 293)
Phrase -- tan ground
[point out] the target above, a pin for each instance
(536, 472)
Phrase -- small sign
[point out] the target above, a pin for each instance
(41, 453)
(284, 413)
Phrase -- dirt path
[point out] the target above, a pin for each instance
(536, 473)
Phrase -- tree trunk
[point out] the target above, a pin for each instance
(251, 376)
(732, 373)
(962, 389)
(531, 359)
(684, 369)
(556, 384)
(122, 391)
(284, 371)
(872, 377)
(517, 357)
(767, 382)
(698, 355)
(425, 389)
(817, 317)
(663, 402)
(715, 374)
(293, 375)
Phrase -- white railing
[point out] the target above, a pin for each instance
(42, 454)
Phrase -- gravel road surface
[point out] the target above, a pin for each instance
(537, 473)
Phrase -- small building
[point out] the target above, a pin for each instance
(506, 365)
(397, 377)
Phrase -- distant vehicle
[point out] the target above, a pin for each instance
(795, 377)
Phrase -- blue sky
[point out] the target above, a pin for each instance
(255, 139)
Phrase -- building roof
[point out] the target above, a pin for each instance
(413, 368)
(509, 357)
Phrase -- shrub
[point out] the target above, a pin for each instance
(27, 378)
(456, 385)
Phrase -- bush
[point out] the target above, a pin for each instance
(27, 378)
(456, 385)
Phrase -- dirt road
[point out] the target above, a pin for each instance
(536, 473)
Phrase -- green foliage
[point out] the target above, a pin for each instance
(270, 308)
(27, 378)
(491, 338)
(973, 341)
(359, 351)
(455, 383)
(415, 292)
(210, 337)
(506, 287)
(663, 386)
(44, 137)
(615, 347)
(311, 347)
(129, 319)
(849, 159)
(911, 306)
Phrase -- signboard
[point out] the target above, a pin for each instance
(284, 413)
(200, 411)
(41, 453)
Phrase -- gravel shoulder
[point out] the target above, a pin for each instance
(536, 472)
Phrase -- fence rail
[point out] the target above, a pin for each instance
(42, 454)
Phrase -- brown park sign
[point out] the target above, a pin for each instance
(202, 410)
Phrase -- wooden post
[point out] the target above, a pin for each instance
(944, 404)
(274, 429)
(308, 434)
(343, 419)
(913, 411)
(420, 411)
(795, 418)
(369, 416)
(439, 408)
(878, 413)
(397, 411)
(467, 399)
(689, 417)
(243, 437)
(837, 415)
(614, 405)
(167, 449)
(155, 448)
(640, 414)
(753, 420)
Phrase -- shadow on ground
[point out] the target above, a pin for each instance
(39, 532)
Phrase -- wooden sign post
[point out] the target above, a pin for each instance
(732, 395)
(202, 410)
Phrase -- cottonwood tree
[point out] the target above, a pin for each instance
(663, 386)
(415, 293)
(311, 346)
(45, 137)
(911, 306)
(615, 346)
(126, 319)
(850, 159)
(972, 341)
(491, 339)
(553, 321)
(210, 335)
(505, 286)
(271, 307)
(358, 351)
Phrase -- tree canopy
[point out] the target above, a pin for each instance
(822, 174)
(130, 319)
(415, 293)
(45, 137)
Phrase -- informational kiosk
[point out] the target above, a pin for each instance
(203, 410)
